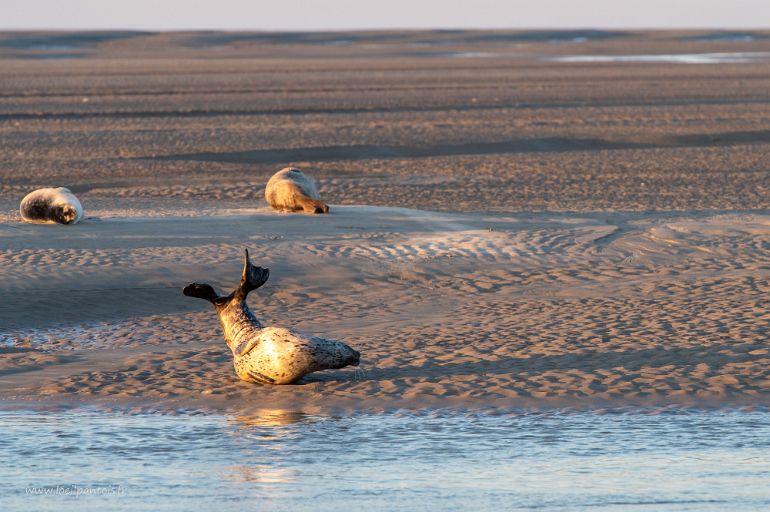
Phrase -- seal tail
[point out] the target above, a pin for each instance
(253, 277)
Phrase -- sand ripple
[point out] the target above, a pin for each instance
(499, 309)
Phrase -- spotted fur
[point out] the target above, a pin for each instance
(269, 355)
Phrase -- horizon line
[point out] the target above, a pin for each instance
(383, 29)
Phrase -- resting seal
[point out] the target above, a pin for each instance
(268, 355)
(51, 206)
(290, 190)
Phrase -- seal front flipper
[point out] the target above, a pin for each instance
(253, 277)
(246, 346)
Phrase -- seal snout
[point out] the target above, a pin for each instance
(68, 214)
(355, 359)
(200, 291)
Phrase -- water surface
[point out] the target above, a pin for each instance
(278, 460)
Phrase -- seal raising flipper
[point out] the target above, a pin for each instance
(251, 279)
(268, 355)
(290, 190)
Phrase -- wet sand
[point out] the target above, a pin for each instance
(536, 232)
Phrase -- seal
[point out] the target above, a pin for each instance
(51, 206)
(268, 355)
(290, 190)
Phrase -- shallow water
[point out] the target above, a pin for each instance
(275, 460)
(672, 58)
(677, 58)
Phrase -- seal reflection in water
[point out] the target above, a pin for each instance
(268, 355)
(51, 206)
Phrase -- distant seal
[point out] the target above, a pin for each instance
(268, 355)
(51, 206)
(290, 190)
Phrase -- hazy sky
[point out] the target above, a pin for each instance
(353, 14)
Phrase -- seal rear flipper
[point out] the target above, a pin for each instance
(253, 277)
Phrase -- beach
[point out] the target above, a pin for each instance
(509, 226)
(551, 249)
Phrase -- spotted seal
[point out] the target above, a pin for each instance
(268, 355)
(290, 190)
(51, 206)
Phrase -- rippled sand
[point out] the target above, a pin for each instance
(485, 309)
